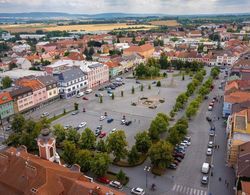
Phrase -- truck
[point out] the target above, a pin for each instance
(205, 168)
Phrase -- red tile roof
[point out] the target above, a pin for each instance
(237, 97)
(22, 173)
(34, 84)
(245, 186)
(5, 97)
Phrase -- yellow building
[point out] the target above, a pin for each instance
(239, 134)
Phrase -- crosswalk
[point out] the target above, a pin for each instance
(181, 189)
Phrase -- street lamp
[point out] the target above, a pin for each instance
(147, 169)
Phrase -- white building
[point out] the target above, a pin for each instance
(21, 48)
(32, 36)
(6, 36)
(121, 46)
(23, 63)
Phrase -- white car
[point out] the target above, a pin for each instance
(211, 133)
(187, 142)
(102, 118)
(209, 151)
(82, 124)
(138, 191)
(116, 184)
(210, 144)
(45, 114)
(210, 108)
(123, 121)
(113, 130)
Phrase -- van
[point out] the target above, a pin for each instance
(88, 91)
(205, 168)
(118, 79)
(80, 94)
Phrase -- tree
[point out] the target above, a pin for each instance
(133, 156)
(158, 126)
(6, 82)
(100, 99)
(100, 164)
(191, 111)
(60, 133)
(161, 154)
(121, 176)
(190, 89)
(101, 146)
(113, 96)
(69, 152)
(149, 87)
(163, 61)
(164, 116)
(141, 87)
(84, 159)
(73, 136)
(158, 84)
(142, 142)
(18, 123)
(76, 106)
(133, 90)
(122, 93)
(66, 53)
(116, 144)
(215, 71)
(174, 137)
(87, 140)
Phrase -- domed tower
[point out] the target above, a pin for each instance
(47, 146)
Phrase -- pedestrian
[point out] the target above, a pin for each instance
(218, 146)
(219, 178)
(227, 184)
(218, 118)
(225, 181)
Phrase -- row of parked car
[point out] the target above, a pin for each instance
(118, 185)
(179, 152)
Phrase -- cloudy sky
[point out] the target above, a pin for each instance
(127, 6)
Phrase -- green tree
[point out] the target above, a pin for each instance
(121, 176)
(161, 154)
(6, 82)
(149, 86)
(18, 123)
(69, 152)
(158, 84)
(100, 99)
(60, 133)
(190, 89)
(113, 96)
(101, 146)
(174, 137)
(191, 111)
(133, 156)
(215, 71)
(87, 140)
(116, 144)
(158, 126)
(76, 106)
(164, 116)
(133, 90)
(122, 93)
(141, 87)
(163, 61)
(73, 136)
(100, 164)
(142, 142)
(84, 159)
(13, 139)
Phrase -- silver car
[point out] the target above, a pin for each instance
(138, 191)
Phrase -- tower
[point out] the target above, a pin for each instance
(47, 146)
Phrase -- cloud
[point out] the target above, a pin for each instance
(127, 6)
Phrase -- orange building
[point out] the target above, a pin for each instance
(145, 50)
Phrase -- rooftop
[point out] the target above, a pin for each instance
(5, 97)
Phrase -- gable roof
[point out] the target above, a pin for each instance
(24, 173)
(138, 49)
(5, 97)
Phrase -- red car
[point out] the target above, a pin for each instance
(85, 98)
(103, 180)
(103, 134)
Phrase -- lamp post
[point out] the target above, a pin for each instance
(147, 169)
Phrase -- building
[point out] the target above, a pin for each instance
(23, 99)
(19, 73)
(21, 48)
(145, 50)
(6, 105)
(38, 89)
(238, 135)
(51, 86)
(71, 82)
(23, 63)
(97, 73)
(25, 173)
(32, 36)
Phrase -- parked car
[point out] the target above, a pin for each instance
(209, 151)
(172, 166)
(204, 179)
(178, 154)
(137, 82)
(103, 180)
(102, 118)
(211, 133)
(102, 134)
(211, 104)
(137, 191)
(154, 82)
(101, 89)
(45, 114)
(75, 113)
(179, 159)
(209, 119)
(88, 91)
(96, 95)
(212, 128)
(110, 120)
(85, 98)
(80, 94)
(113, 130)
(210, 108)
(210, 144)
(82, 124)
(127, 123)
(152, 107)
(188, 138)
(8, 128)
(123, 122)
(187, 142)
(116, 184)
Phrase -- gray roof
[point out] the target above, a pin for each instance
(20, 91)
(70, 74)
(95, 65)
(47, 80)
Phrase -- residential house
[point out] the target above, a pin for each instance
(45, 46)
(194, 34)
(21, 48)
(51, 86)
(114, 68)
(97, 73)
(23, 63)
(71, 82)
(23, 98)
(233, 98)
(145, 50)
(238, 134)
(6, 105)
(38, 89)
(75, 55)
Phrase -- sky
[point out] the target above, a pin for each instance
(127, 6)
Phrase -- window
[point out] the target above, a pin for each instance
(54, 91)
(50, 93)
